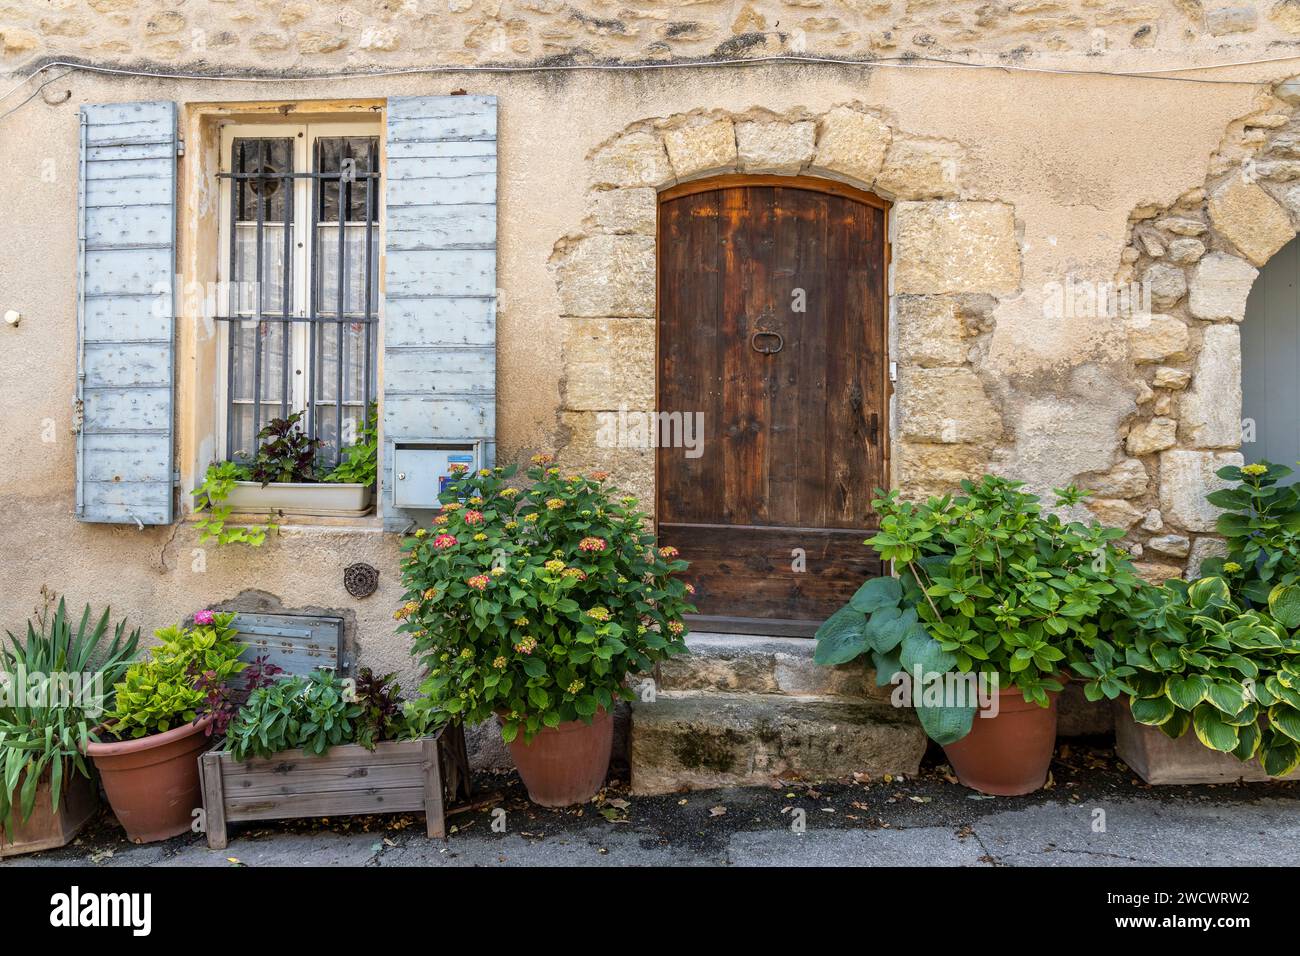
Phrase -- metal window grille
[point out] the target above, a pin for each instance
(340, 315)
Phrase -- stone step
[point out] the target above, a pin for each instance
(742, 663)
(694, 740)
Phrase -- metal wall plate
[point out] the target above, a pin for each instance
(298, 643)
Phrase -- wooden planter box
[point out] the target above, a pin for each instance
(1159, 760)
(395, 777)
(47, 830)
(300, 498)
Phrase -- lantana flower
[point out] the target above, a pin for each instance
(555, 504)
(444, 541)
(479, 582)
(542, 459)
(598, 614)
(668, 551)
(526, 645)
(1253, 470)
(473, 517)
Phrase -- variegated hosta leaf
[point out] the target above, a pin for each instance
(1280, 757)
(1212, 731)
(1284, 604)
(1152, 711)
(1247, 715)
(1188, 690)
(1228, 696)
(1176, 725)
(1248, 739)
(1285, 719)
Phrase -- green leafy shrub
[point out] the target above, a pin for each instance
(359, 462)
(535, 604)
(212, 514)
(67, 677)
(1229, 672)
(313, 713)
(1261, 525)
(171, 686)
(987, 584)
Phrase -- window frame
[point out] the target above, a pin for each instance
(304, 135)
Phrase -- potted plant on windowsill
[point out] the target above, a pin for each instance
(162, 716)
(532, 606)
(53, 687)
(994, 603)
(283, 479)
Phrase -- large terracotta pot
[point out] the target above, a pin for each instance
(567, 764)
(49, 828)
(1007, 755)
(153, 782)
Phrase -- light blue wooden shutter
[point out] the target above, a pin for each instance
(127, 251)
(440, 277)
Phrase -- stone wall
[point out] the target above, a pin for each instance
(1199, 257)
(952, 255)
(272, 36)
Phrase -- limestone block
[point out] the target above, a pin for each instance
(946, 405)
(1174, 545)
(1114, 512)
(931, 330)
(702, 149)
(781, 148)
(1186, 477)
(1211, 408)
(851, 143)
(1156, 338)
(632, 210)
(921, 169)
(955, 247)
(1151, 436)
(603, 276)
(1167, 283)
(1220, 286)
(1128, 479)
(608, 364)
(1168, 377)
(633, 159)
(1250, 219)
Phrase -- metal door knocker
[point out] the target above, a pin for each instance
(766, 347)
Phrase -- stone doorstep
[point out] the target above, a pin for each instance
(755, 664)
(685, 740)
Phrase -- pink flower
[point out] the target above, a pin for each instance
(473, 517)
(479, 582)
(669, 552)
(203, 618)
(445, 541)
(591, 544)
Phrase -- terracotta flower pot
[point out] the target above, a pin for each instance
(49, 828)
(153, 782)
(567, 764)
(1007, 755)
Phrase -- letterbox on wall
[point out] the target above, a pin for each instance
(421, 470)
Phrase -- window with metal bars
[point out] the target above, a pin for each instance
(300, 239)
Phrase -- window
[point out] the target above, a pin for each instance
(299, 251)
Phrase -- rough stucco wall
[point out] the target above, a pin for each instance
(1072, 157)
(298, 33)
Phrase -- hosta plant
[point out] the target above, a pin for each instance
(173, 685)
(536, 603)
(1229, 672)
(53, 688)
(988, 583)
(1261, 526)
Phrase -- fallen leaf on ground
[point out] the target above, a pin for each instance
(718, 811)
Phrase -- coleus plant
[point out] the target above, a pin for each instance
(286, 452)
(1230, 673)
(988, 584)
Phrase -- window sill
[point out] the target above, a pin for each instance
(291, 524)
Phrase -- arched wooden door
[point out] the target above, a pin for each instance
(772, 340)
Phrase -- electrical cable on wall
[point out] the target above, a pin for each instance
(898, 62)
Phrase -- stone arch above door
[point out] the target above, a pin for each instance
(954, 253)
(1199, 258)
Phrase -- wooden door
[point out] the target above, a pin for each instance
(772, 312)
